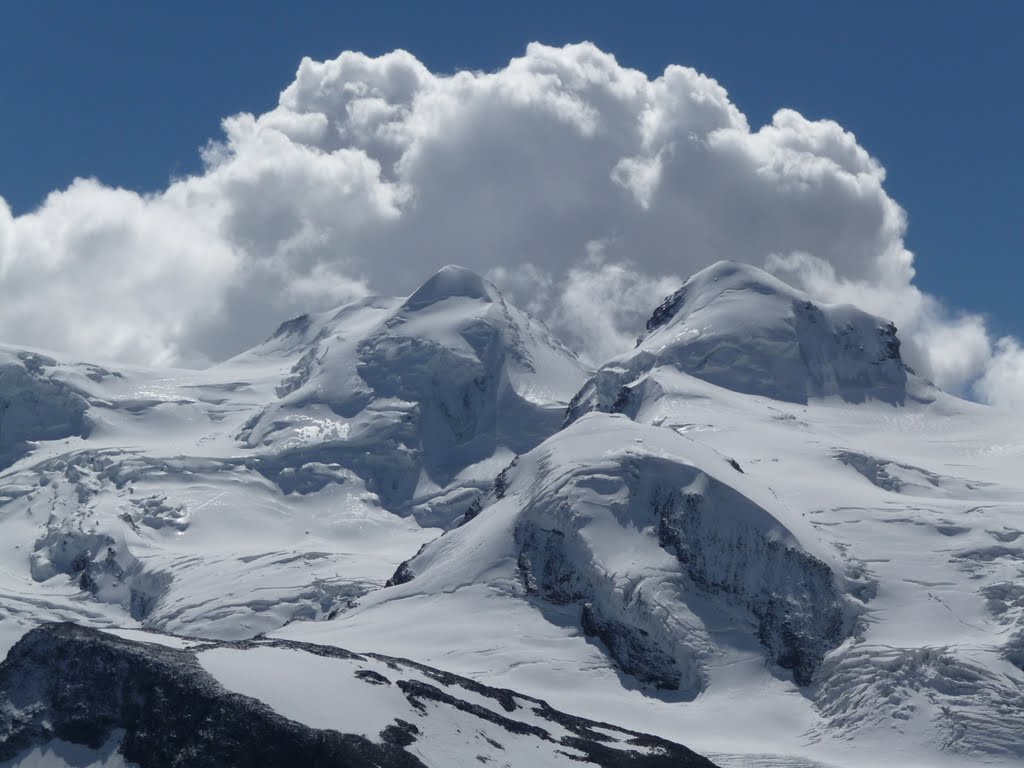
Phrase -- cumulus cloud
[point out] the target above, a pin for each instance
(603, 306)
(107, 273)
(587, 190)
(1003, 381)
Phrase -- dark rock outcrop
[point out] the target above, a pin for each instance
(63, 681)
(81, 685)
(791, 593)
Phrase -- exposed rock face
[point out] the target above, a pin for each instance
(552, 564)
(631, 523)
(76, 684)
(63, 681)
(792, 593)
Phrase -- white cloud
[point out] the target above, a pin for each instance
(587, 190)
(1003, 381)
(107, 273)
(604, 306)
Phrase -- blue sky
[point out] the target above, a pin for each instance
(128, 92)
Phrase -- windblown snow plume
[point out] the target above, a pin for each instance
(585, 189)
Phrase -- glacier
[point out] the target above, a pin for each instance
(759, 534)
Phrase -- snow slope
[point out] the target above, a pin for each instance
(758, 533)
(737, 326)
(309, 706)
(660, 541)
(229, 501)
(908, 497)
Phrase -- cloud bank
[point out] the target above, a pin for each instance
(586, 190)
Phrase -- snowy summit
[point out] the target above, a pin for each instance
(420, 531)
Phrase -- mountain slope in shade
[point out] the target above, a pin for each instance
(174, 703)
(425, 399)
(643, 531)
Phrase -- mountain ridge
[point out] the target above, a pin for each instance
(759, 496)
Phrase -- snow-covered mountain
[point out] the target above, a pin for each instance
(736, 326)
(668, 548)
(758, 534)
(424, 399)
(278, 471)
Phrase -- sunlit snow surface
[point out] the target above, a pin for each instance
(942, 602)
(247, 499)
(363, 696)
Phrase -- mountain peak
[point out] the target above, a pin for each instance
(710, 283)
(738, 327)
(450, 282)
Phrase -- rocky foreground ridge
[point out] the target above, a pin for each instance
(81, 685)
